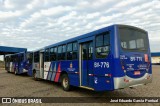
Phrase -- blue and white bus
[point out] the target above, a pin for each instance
(17, 63)
(110, 58)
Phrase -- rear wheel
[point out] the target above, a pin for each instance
(65, 82)
(35, 76)
(15, 72)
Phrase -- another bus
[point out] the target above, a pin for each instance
(29, 63)
(17, 63)
(110, 58)
(10, 63)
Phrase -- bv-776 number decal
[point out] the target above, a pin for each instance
(101, 64)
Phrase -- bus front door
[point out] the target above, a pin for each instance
(87, 64)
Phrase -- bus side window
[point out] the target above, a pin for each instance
(90, 56)
(22, 57)
(46, 55)
(15, 58)
(69, 51)
(63, 54)
(74, 50)
(102, 45)
(59, 52)
(36, 57)
(9, 58)
(53, 53)
(124, 44)
(30, 57)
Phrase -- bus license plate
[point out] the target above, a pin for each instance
(137, 73)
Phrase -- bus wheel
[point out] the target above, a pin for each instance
(15, 72)
(65, 82)
(34, 76)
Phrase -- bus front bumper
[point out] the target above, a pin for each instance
(123, 82)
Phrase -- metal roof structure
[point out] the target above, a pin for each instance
(155, 54)
(10, 50)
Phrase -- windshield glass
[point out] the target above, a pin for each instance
(133, 39)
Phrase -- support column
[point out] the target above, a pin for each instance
(4, 61)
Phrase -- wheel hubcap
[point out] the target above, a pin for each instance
(65, 82)
(34, 75)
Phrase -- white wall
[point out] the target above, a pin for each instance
(1, 57)
(155, 59)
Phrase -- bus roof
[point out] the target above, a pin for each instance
(88, 35)
(38, 49)
(14, 54)
(81, 36)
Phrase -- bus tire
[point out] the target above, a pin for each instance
(34, 76)
(15, 72)
(65, 83)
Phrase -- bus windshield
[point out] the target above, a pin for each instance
(133, 39)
